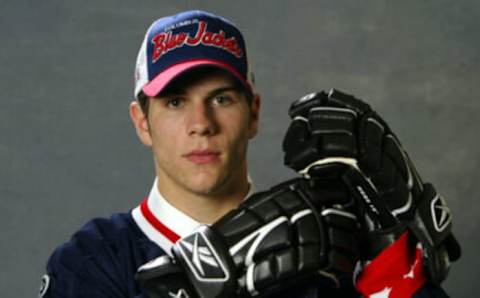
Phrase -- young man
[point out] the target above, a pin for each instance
(203, 233)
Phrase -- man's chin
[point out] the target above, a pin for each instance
(207, 190)
(208, 187)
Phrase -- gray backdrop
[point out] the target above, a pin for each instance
(68, 151)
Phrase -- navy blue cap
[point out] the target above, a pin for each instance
(175, 44)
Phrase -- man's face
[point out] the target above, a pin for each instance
(199, 136)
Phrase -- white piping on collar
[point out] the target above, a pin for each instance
(163, 223)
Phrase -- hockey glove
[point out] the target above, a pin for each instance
(274, 240)
(336, 128)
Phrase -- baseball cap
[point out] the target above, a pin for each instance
(176, 44)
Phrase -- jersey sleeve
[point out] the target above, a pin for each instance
(72, 274)
(397, 272)
(96, 262)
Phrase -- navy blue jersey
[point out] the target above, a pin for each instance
(101, 259)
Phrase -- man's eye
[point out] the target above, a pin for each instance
(222, 99)
(174, 102)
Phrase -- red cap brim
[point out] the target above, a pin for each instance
(155, 86)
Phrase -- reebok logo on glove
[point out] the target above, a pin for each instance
(202, 258)
(440, 213)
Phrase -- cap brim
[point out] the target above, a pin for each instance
(154, 87)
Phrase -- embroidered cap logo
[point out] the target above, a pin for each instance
(167, 41)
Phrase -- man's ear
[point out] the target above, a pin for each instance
(140, 121)
(254, 115)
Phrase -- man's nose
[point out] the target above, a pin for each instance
(202, 121)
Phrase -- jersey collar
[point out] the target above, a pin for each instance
(162, 222)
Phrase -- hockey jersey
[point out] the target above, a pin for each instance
(101, 259)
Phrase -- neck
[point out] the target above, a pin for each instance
(205, 207)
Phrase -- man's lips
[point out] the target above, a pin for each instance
(202, 156)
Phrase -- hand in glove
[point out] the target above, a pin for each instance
(273, 241)
(337, 128)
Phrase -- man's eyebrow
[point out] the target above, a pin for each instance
(171, 93)
(217, 91)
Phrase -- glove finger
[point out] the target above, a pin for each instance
(386, 164)
(263, 274)
(395, 153)
(302, 106)
(297, 134)
(386, 178)
(344, 100)
(342, 233)
(345, 250)
(333, 129)
(403, 165)
(341, 220)
(399, 201)
(371, 133)
(327, 191)
(299, 149)
(417, 180)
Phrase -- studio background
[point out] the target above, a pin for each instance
(68, 151)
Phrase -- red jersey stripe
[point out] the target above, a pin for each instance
(157, 224)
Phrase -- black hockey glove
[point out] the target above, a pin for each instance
(274, 240)
(336, 128)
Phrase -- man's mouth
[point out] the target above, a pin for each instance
(203, 156)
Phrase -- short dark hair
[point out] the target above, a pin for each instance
(178, 84)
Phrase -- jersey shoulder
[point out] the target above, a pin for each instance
(100, 259)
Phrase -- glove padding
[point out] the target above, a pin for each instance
(273, 240)
(336, 128)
